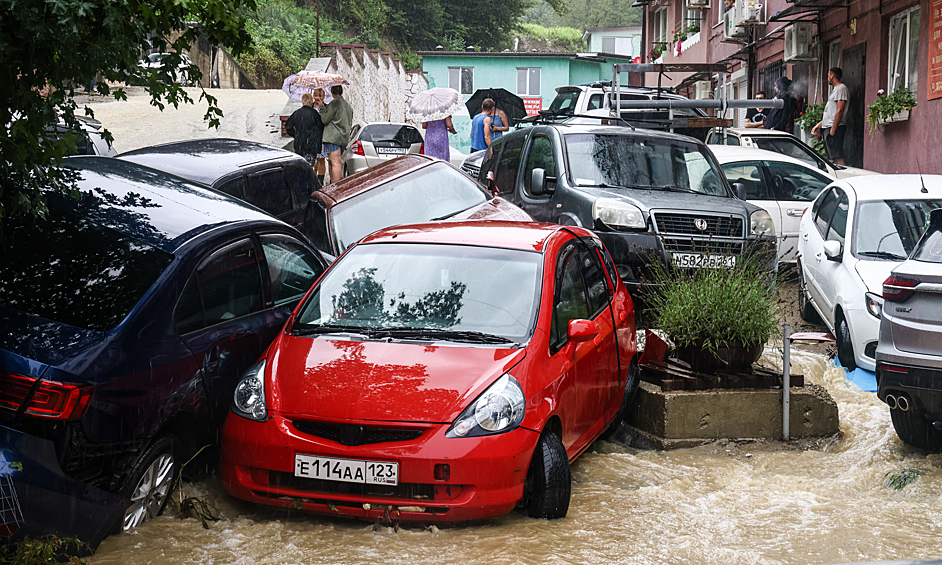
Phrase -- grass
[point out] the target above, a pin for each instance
(899, 479)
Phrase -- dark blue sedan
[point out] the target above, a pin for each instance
(126, 318)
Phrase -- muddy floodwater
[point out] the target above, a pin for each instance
(723, 503)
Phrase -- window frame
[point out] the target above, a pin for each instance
(908, 65)
(528, 82)
(459, 81)
(264, 282)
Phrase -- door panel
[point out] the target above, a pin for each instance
(223, 319)
(855, 77)
(794, 187)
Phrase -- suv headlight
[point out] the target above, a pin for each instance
(617, 214)
(760, 223)
(499, 409)
(249, 398)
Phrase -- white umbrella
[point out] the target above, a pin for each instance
(435, 104)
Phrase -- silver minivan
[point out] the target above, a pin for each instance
(909, 353)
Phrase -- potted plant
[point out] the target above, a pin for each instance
(657, 51)
(718, 319)
(813, 114)
(892, 107)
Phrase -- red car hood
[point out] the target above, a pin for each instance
(494, 209)
(357, 380)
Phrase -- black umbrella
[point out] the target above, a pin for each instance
(511, 104)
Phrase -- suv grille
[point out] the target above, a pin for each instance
(672, 223)
(351, 434)
(473, 170)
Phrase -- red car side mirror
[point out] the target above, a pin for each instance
(581, 330)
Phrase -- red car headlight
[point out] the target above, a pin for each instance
(249, 398)
(498, 410)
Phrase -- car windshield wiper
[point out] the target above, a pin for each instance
(882, 255)
(439, 333)
(315, 329)
(446, 216)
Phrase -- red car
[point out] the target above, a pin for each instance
(438, 373)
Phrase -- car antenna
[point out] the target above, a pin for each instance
(924, 190)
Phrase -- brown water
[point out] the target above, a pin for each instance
(723, 503)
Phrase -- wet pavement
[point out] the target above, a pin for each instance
(251, 115)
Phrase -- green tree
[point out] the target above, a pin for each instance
(48, 48)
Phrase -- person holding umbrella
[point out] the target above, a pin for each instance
(433, 108)
(481, 126)
(306, 128)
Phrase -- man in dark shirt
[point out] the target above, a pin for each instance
(755, 117)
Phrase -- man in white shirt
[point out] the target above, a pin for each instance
(834, 122)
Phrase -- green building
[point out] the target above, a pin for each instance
(532, 75)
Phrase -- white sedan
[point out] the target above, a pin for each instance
(850, 239)
(784, 143)
(782, 185)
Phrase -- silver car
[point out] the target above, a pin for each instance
(376, 142)
(909, 354)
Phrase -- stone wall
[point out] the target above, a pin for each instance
(380, 88)
(219, 69)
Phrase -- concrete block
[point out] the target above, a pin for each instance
(676, 418)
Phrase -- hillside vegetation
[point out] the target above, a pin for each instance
(284, 31)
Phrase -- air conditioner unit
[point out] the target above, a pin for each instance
(748, 13)
(698, 4)
(702, 89)
(799, 42)
(732, 32)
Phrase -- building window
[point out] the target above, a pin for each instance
(608, 45)
(691, 18)
(461, 79)
(660, 28)
(528, 81)
(904, 50)
(767, 77)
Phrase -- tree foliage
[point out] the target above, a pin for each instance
(583, 14)
(48, 48)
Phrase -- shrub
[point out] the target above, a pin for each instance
(710, 307)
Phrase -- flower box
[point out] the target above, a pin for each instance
(900, 116)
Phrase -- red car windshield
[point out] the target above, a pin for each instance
(459, 288)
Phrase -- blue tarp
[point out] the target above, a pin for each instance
(866, 380)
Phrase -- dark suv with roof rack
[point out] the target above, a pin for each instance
(644, 192)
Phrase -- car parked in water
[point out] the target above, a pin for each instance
(781, 185)
(783, 143)
(128, 316)
(909, 353)
(410, 189)
(276, 180)
(849, 240)
(438, 373)
(650, 195)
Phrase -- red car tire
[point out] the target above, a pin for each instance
(549, 480)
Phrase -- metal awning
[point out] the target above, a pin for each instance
(802, 7)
